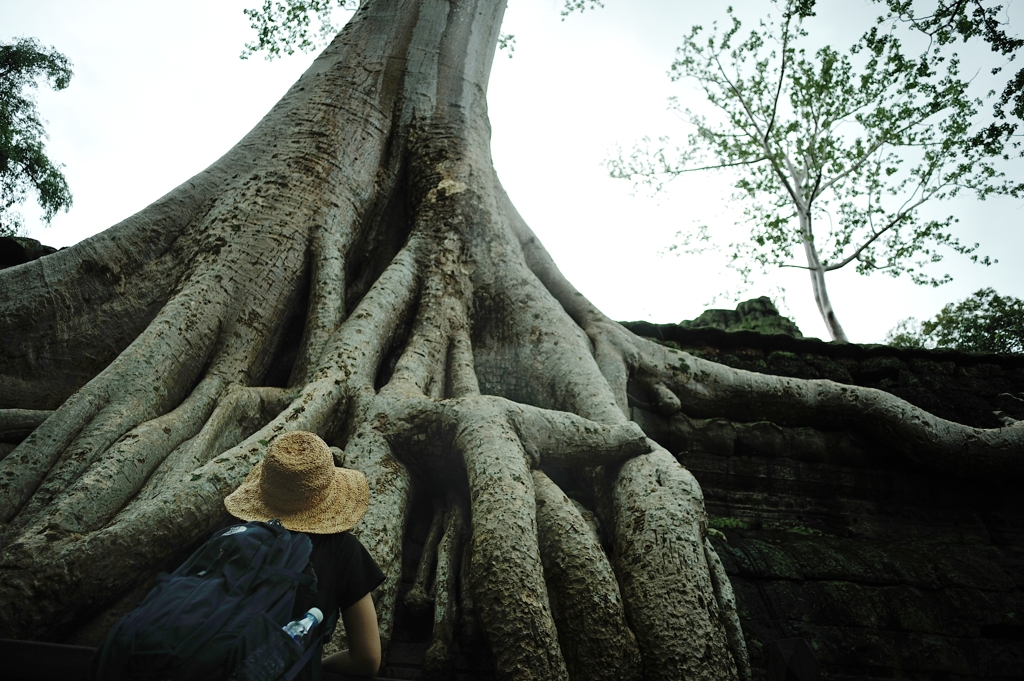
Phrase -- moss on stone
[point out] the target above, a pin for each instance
(758, 314)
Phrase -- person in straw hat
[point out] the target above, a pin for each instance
(298, 483)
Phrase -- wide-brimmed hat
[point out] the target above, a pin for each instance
(298, 482)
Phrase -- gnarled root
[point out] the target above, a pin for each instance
(470, 619)
(506, 572)
(437, 663)
(707, 389)
(652, 505)
(108, 484)
(499, 441)
(41, 569)
(383, 526)
(668, 381)
(660, 524)
(727, 610)
(23, 469)
(592, 631)
(420, 596)
(239, 413)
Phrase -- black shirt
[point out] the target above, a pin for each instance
(345, 572)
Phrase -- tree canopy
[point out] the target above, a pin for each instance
(983, 322)
(834, 154)
(24, 165)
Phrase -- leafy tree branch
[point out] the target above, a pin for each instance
(24, 166)
(966, 20)
(282, 27)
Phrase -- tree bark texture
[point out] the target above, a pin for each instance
(353, 267)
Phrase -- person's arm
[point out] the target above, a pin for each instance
(363, 655)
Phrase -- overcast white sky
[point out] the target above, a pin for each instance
(159, 93)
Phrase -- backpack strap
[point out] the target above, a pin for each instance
(300, 578)
(303, 661)
(314, 648)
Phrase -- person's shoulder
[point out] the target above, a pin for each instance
(349, 542)
(338, 541)
(349, 548)
(330, 538)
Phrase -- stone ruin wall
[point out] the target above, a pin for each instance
(885, 570)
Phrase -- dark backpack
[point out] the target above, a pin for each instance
(219, 615)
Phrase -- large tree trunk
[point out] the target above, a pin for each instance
(353, 267)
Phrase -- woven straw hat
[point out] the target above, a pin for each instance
(298, 483)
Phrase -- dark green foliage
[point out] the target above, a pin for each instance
(24, 165)
(985, 322)
(906, 334)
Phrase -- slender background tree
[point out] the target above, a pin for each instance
(835, 154)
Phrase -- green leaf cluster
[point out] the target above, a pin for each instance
(984, 322)
(24, 165)
(284, 26)
(579, 6)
